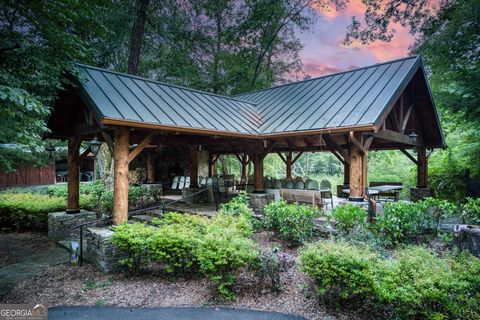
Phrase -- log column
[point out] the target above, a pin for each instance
(150, 167)
(358, 169)
(73, 183)
(193, 166)
(120, 178)
(244, 172)
(346, 174)
(422, 168)
(258, 171)
(288, 164)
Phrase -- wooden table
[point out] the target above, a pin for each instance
(308, 196)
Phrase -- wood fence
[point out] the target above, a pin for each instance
(28, 176)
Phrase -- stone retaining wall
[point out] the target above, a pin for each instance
(258, 201)
(468, 238)
(101, 252)
(60, 224)
(420, 193)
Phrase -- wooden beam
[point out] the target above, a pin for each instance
(297, 157)
(332, 145)
(108, 140)
(151, 167)
(356, 142)
(135, 152)
(120, 178)
(406, 118)
(73, 182)
(282, 157)
(368, 142)
(394, 136)
(338, 157)
(409, 156)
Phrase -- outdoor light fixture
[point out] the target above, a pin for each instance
(95, 146)
(264, 143)
(200, 147)
(50, 149)
(413, 137)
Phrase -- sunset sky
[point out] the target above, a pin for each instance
(324, 52)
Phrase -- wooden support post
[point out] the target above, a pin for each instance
(258, 171)
(244, 172)
(422, 168)
(151, 167)
(120, 178)
(346, 174)
(288, 163)
(358, 167)
(193, 166)
(73, 161)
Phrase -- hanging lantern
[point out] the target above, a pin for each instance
(413, 137)
(50, 149)
(95, 146)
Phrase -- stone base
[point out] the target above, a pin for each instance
(258, 201)
(468, 238)
(201, 197)
(420, 193)
(153, 188)
(101, 252)
(61, 223)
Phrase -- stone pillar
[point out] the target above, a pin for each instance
(258, 201)
(101, 252)
(73, 183)
(420, 193)
(120, 178)
(60, 224)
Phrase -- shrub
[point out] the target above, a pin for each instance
(471, 211)
(28, 211)
(269, 264)
(293, 223)
(134, 240)
(347, 216)
(412, 284)
(222, 251)
(340, 270)
(238, 206)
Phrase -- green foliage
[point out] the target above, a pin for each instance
(186, 243)
(413, 284)
(471, 211)
(28, 211)
(134, 240)
(237, 206)
(268, 264)
(293, 223)
(347, 216)
(221, 252)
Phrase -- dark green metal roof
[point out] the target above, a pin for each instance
(349, 99)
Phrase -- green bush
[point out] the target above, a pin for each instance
(134, 240)
(471, 211)
(340, 270)
(222, 251)
(238, 206)
(347, 216)
(28, 211)
(412, 284)
(293, 223)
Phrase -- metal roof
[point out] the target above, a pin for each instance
(353, 98)
(125, 97)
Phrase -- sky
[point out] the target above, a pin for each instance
(324, 51)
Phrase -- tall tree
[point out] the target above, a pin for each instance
(137, 36)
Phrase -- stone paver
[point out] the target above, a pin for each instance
(14, 273)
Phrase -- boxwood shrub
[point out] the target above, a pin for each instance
(412, 284)
(28, 211)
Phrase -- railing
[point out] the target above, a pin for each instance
(216, 196)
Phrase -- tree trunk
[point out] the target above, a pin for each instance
(137, 36)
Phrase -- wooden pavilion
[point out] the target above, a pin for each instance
(386, 106)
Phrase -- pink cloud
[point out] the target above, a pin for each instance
(324, 51)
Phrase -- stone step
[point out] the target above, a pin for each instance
(144, 218)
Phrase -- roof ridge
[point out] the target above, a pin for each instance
(165, 83)
(326, 76)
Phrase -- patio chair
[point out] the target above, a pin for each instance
(187, 182)
(221, 185)
(324, 185)
(277, 184)
(175, 182)
(288, 184)
(181, 183)
(267, 183)
(311, 185)
(300, 185)
(203, 182)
